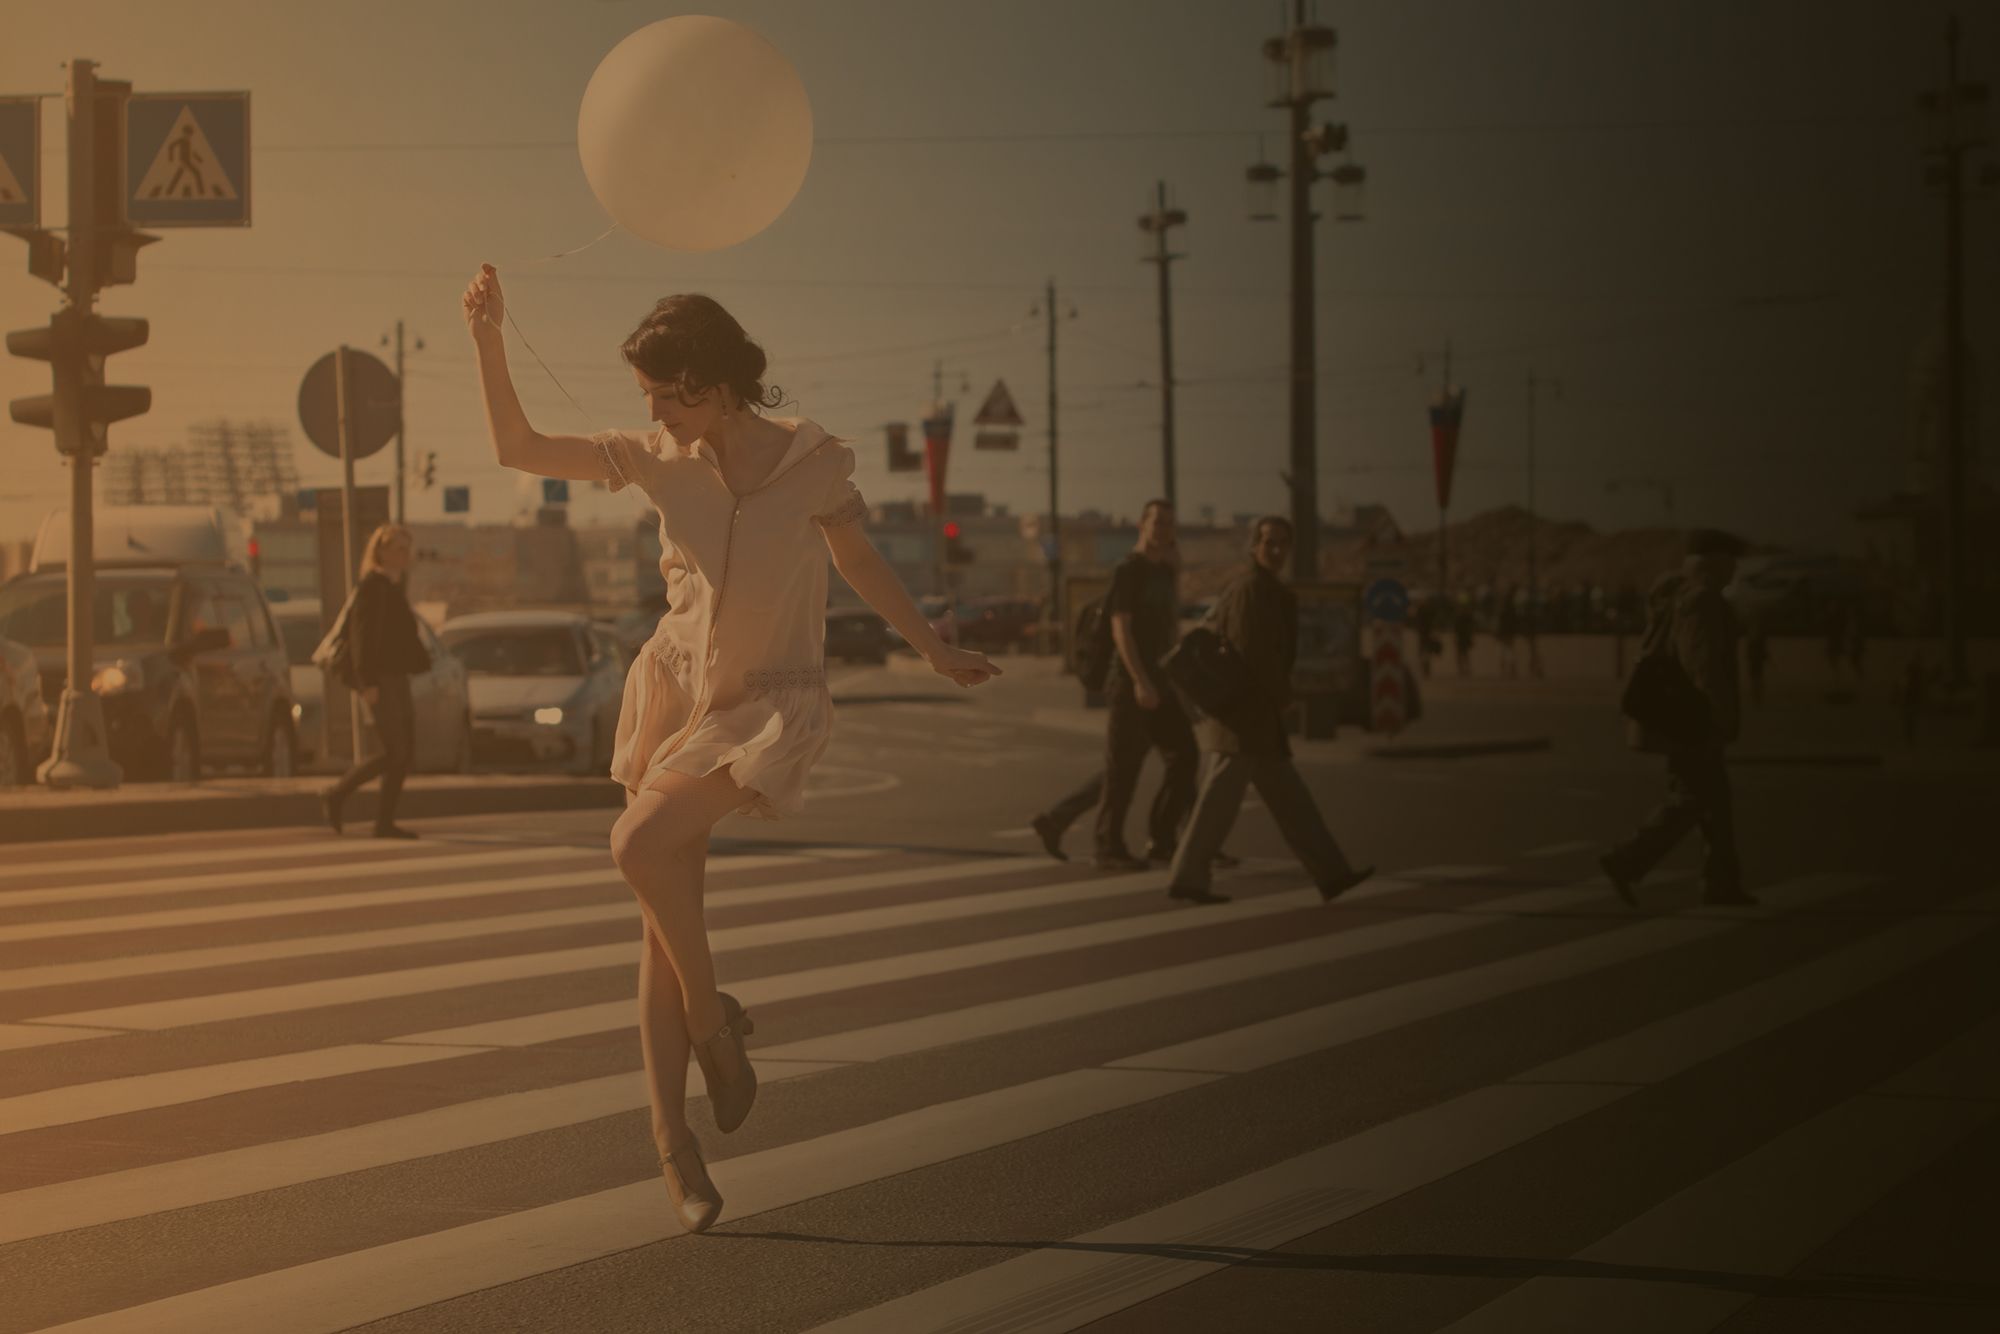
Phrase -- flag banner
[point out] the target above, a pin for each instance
(937, 454)
(901, 457)
(1446, 415)
(996, 440)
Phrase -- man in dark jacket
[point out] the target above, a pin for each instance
(1259, 615)
(1688, 617)
(1144, 607)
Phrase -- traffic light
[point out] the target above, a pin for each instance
(955, 551)
(115, 245)
(75, 345)
(430, 469)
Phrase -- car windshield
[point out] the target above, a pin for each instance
(526, 652)
(302, 636)
(129, 612)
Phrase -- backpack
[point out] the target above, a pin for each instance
(1208, 671)
(1661, 699)
(1094, 646)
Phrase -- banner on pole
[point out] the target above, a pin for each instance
(937, 453)
(1446, 415)
(901, 457)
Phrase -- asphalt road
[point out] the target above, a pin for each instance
(274, 1081)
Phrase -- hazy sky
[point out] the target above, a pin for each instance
(1705, 218)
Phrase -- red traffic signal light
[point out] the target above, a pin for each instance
(951, 531)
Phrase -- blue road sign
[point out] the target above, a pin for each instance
(187, 159)
(458, 500)
(1387, 600)
(20, 161)
(309, 499)
(555, 491)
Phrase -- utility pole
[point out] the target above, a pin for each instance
(1535, 385)
(1054, 548)
(1956, 115)
(402, 472)
(1299, 61)
(1157, 224)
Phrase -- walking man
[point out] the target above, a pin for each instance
(1689, 621)
(1053, 823)
(1259, 615)
(1144, 607)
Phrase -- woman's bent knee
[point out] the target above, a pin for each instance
(646, 836)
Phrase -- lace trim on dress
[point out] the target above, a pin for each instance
(616, 480)
(770, 680)
(851, 510)
(678, 660)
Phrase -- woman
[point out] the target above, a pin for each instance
(386, 652)
(726, 708)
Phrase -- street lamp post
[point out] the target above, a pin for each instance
(402, 399)
(1536, 383)
(1300, 65)
(1156, 225)
(1956, 114)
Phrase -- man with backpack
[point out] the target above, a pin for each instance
(1683, 701)
(1258, 616)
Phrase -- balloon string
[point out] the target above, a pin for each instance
(549, 259)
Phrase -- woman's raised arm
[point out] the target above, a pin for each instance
(517, 444)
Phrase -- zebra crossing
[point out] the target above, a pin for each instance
(309, 1084)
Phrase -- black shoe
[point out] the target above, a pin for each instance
(392, 831)
(1181, 895)
(1047, 830)
(1621, 885)
(1334, 889)
(1117, 861)
(1223, 861)
(329, 803)
(1731, 899)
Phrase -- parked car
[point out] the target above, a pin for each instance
(999, 624)
(187, 663)
(857, 634)
(441, 700)
(545, 687)
(25, 717)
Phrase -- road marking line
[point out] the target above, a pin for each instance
(340, 1291)
(150, 861)
(1561, 849)
(13, 1037)
(1762, 1215)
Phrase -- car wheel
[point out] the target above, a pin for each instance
(14, 768)
(183, 751)
(281, 752)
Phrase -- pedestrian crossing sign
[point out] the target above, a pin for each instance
(20, 161)
(187, 159)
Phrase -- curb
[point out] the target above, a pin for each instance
(38, 817)
(1454, 750)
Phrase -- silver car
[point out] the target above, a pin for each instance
(442, 703)
(546, 687)
(24, 715)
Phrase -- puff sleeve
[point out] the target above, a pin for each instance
(842, 503)
(619, 451)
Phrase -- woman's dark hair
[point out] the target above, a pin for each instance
(690, 342)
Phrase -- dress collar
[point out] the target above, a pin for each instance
(807, 435)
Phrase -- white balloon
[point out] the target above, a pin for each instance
(695, 133)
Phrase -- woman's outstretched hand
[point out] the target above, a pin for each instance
(484, 304)
(963, 665)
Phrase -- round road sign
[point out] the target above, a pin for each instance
(373, 403)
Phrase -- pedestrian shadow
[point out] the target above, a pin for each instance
(1830, 1287)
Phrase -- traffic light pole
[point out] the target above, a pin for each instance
(80, 756)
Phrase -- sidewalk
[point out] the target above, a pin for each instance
(34, 813)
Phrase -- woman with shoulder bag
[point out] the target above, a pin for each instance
(384, 652)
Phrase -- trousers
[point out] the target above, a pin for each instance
(1132, 732)
(396, 727)
(1224, 780)
(1698, 796)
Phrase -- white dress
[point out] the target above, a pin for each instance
(734, 677)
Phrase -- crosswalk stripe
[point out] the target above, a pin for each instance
(14, 1037)
(278, 876)
(1560, 849)
(23, 867)
(338, 1291)
(1763, 1214)
(602, 876)
(721, 938)
(1102, 1272)
(485, 1120)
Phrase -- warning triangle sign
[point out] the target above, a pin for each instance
(999, 409)
(185, 167)
(10, 185)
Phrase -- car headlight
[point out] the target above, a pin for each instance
(549, 717)
(298, 712)
(117, 679)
